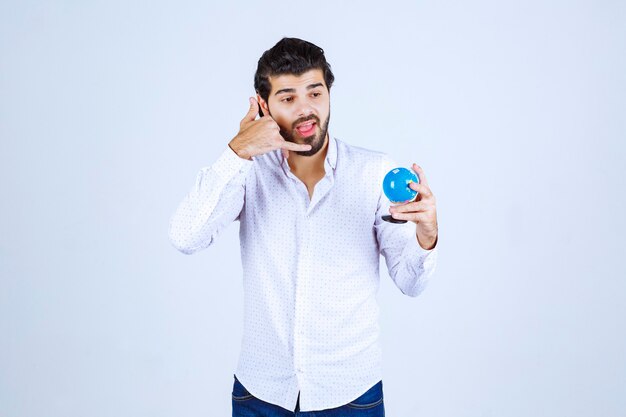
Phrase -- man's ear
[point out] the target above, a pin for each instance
(263, 108)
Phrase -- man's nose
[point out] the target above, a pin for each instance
(305, 110)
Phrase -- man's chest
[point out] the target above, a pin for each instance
(310, 181)
(279, 200)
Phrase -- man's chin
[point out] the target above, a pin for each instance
(316, 145)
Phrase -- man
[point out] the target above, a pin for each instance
(311, 234)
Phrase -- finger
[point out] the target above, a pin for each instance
(410, 207)
(269, 119)
(253, 111)
(285, 153)
(414, 217)
(290, 146)
(420, 173)
(422, 189)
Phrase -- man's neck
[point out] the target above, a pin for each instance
(308, 165)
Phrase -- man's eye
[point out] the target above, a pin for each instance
(316, 94)
(287, 99)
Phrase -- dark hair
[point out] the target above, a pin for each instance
(290, 56)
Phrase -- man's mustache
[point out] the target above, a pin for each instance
(305, 119)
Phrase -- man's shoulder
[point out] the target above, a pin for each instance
(348, 149)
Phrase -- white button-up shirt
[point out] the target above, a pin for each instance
(310, 268)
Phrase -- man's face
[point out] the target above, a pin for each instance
(300, 104)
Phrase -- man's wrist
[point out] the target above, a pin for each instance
(427, 242)
(240, 153)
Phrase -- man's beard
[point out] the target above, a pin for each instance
(316, 141)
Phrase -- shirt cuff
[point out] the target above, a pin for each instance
(229, 163)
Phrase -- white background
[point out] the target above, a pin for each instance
(515, 110)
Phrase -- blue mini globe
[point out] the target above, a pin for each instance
(396, 185)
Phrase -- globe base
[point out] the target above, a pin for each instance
(389, 218)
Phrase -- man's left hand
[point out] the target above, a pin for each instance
(422, 211)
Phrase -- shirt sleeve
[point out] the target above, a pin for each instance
(410, 266)
(215, 200)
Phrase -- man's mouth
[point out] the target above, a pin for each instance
(306, 128)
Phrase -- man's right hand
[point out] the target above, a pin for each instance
(259, 136)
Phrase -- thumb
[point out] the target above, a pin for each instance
(285, 153)
(253, 111)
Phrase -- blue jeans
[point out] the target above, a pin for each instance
(369, 404)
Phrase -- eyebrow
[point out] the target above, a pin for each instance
(293, 90)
